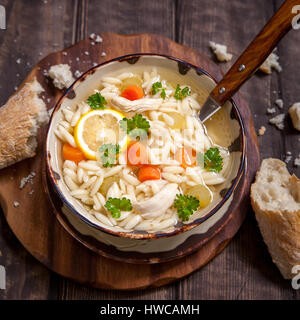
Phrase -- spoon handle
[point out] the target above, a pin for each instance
(257, 52)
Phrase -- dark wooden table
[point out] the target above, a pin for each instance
(244, 270)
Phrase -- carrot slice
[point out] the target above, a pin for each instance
(136, 154)
(73, 154)
(133, 93)
(149, 173)
(186, 157)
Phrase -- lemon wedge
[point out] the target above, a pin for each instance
(99, 127)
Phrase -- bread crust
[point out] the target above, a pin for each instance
(280, 228)
(20, 118)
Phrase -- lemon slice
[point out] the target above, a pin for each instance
(99, 127)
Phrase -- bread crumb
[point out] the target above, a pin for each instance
(64, 53)
(271, 110)
(50, 111)
(18, 61)
(98, 39)
(16, 204)
(95, 37)
(294, 112)
(220, 51)
(27, 179)
(77, 73)
(279, 103)
(262, 130)
(288, 158)
(103, 54)
(278, 121)
(86, 53)
(297, 161)
(271, 63)
(61, 75)
(31, 192)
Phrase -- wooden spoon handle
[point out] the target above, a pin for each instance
(256, 53)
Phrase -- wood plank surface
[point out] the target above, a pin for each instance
(35, 28)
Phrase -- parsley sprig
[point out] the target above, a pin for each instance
(181, 93)
(156, 87)
(96, 101)
(211, 160)
(137, 127)
(185, 206)
(116, 205)
(109, 156)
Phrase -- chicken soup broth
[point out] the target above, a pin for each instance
(136, 155)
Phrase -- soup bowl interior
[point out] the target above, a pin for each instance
(225, 128)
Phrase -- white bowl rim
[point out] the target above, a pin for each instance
(52, 175)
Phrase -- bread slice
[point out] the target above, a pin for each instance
(20, 119)
(275, 198)
(294, 112)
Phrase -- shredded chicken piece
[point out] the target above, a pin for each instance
(140, 105)
(159, 203)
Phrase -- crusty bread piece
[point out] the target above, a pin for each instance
(61, 75)
(275, 198)
(271, 63)
(20, 118)
(294, 112)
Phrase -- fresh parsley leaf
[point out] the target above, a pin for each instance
(96, 101)
(186, 92)
(181, 93)
(211, 160)
(177, 94)
(163, 94)
(185, 206)
(116, 205)
(137, 127)
(109, 157)
(155, 87)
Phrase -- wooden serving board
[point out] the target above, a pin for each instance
(37, 228)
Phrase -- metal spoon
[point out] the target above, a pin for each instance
(250, 60)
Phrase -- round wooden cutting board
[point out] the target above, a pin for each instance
(38, 229)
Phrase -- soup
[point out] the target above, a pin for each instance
(137, 157)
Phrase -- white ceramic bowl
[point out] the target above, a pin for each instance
(228, 122)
